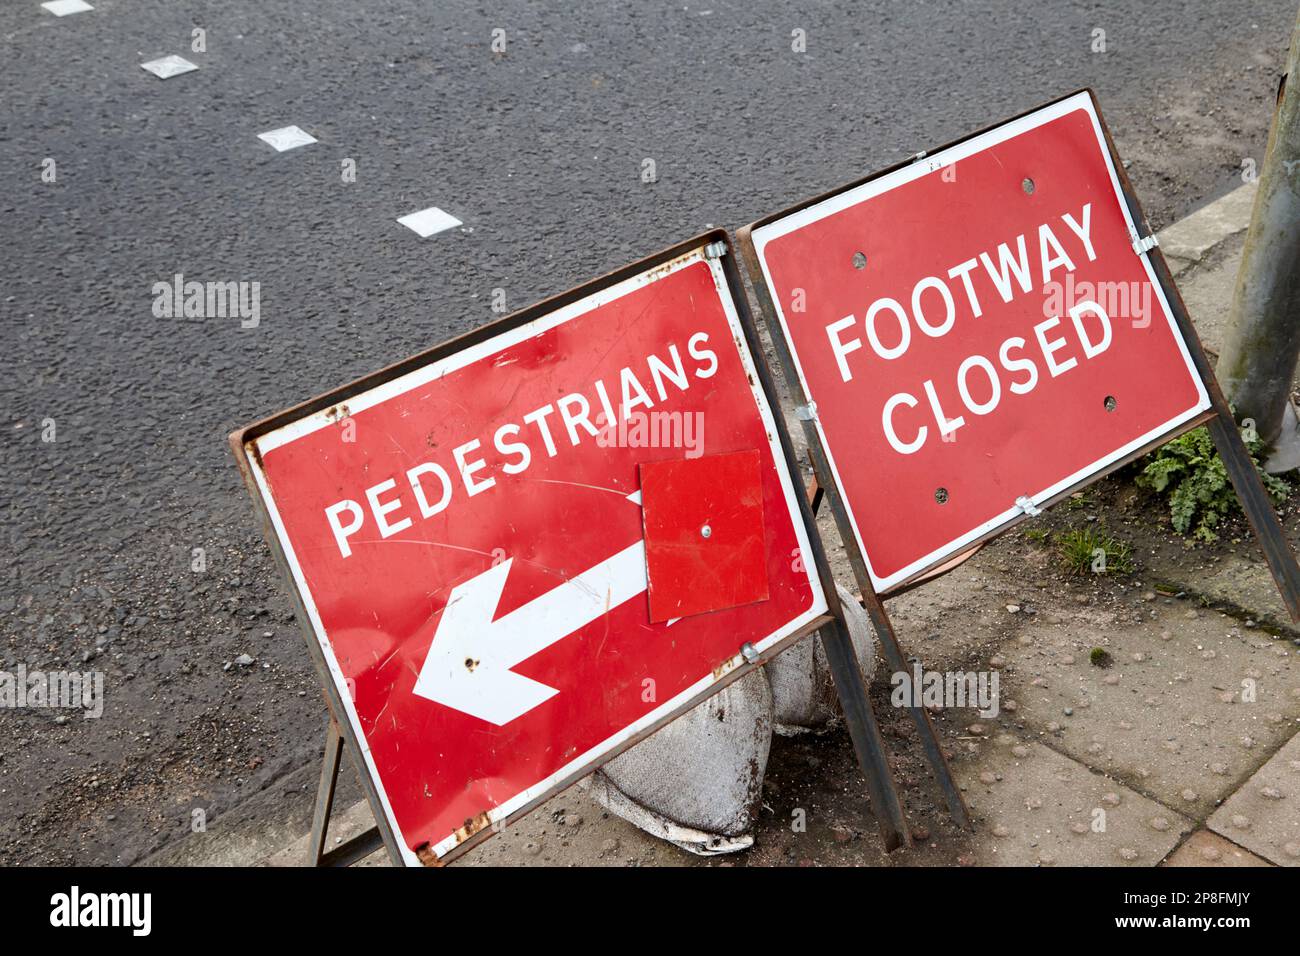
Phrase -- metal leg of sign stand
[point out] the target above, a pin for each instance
(924, 728)
(359, 846)
(1236, 460)
(894, 658)
(1259, 509)
(859, 718)
(815, 494)
(868, 745)
(865, 734)
(1223, 428)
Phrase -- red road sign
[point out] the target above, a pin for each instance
(465, 535)
(978, 332)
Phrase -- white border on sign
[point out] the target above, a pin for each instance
(765, 234)
(450, 363)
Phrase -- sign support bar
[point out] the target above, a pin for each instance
(868, 745)
(884, 629)
(859, 717)
(825, 485)
(1223, 427)
(359, 846)
(924, 728)
(1255, 501)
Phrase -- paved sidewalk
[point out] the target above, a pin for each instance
(1182, 751)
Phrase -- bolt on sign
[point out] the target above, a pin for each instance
(976, 333)
(465, 536)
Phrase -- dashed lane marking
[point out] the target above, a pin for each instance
(169, 66)
(62, 8)
(288, 137)
(426, 222)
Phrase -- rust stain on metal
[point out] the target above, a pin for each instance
(337, 412)
(427, 856)
(254, 454)
(664, 268)
(471, 826)
(724, 668)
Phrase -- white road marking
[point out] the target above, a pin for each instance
(428, 221)
(288, 137)
(62, 8)
(169, 66)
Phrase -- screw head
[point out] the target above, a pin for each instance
(941, 495)
(706, 532)
(1109, 403)
(1027, 185)
(859, 260)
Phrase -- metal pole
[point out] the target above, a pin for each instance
(864, 732)
(1259, 354)
(358, 847)
(329, 778)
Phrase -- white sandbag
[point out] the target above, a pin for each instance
(803, 691)
(600, 789)
(698, 781)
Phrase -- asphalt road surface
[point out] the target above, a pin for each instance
(539, 151)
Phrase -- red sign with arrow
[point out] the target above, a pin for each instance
(467, 538)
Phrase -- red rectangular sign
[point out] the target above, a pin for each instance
(977, 332)
(466, 538)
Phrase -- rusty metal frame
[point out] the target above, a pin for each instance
(866, 736)
(1250, 490)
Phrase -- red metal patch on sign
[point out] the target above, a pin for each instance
(703, 534)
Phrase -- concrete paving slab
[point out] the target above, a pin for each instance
(1206, 848)
(1172, 714)
(1197, 234)
(1207, 291)
(1238, 581)
(1264, 815)
(1037, 807)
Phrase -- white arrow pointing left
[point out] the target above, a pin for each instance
(469, 664)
